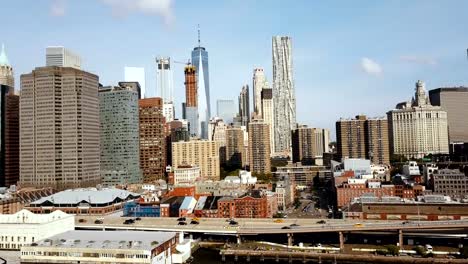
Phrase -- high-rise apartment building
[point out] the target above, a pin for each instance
(191, 100)
(268, 114)
(226, 109)
(217, 132)
(62, 57)
(363, 138)
(202, 153)
(176, 130)
(454, 101)
(132, 86)
(136, 75)
(309, 144)
(244, 105)
(284, 95)
(6, 71)
(9, 137)
(200, 61)
(165, 84)
(59, 128)
(120, 151)
(259, 83)
(259, 147)
(235, 150)
(418, 128)
(152, 139)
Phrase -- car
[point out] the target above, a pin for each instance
(322, 222)
(181, 219)
(232, 222)
(196, 219)
(82, 220)
(182, 223)
(278, 221)
(285, 227)
(358, 225)
(138, 219)
(318, 245)
(293, 225)
(98, 222)
(129, 221)
(193, 222)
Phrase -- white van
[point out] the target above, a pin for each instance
(428, 248)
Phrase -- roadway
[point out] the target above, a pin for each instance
(247, 226)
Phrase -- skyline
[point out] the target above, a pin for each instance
(380, 52)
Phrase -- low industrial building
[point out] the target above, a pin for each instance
(89, 201)
(24, 227)
(302, 175)
(107, 247)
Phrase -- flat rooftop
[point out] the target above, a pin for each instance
(138, 240)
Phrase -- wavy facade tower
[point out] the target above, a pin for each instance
(284, 96)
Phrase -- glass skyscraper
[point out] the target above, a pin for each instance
(226, 109)
(200, 61)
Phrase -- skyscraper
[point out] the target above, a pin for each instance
(136, 74)
(62, 57)
(259, 147)
(165, 84)
(59, 128)
(217, 132)
(152, 139)
(6, 71)
(9, 137)
(244, 105)
(268, 114)
(453, 100)
(259, 83)
(191, 100)
(226, 109)
(418, 128)
(284, 96)
(200, 61)
(120, 152)
(309, 144)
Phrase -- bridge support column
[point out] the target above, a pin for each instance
(239, 240)
(341, 237)
(290, 239)
(400, 238)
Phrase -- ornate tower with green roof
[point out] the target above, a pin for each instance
(6, 71)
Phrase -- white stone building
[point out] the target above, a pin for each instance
(25, 227)
(186, 174)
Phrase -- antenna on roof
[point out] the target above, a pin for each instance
(199, 36)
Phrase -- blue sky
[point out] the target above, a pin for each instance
(349, 57)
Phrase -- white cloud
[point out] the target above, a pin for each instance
(57, 8)
(370, 67)
(418, 60)
(162, 8)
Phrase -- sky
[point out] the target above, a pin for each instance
(349, 57)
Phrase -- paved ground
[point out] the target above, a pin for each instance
(11, 257)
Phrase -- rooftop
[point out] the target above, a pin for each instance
(91, 196)
(26, 217)
(108, 239)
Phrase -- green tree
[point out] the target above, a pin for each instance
(393, 250)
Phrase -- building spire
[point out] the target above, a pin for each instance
(3, 57)
(198, 35)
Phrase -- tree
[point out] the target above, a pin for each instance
(393, 250)
(420, 250)
(464, 252)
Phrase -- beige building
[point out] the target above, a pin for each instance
(418, 128)
(259, 147)
(203, 153)
(6, 71)
(59, 128)
(267, 114)
(217, 132)
(235, 154)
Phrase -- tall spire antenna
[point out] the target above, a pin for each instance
(198, 35)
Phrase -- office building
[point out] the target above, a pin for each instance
(62, 57)
(452, 183)
(235, 151)
(259, 83)
(226, 109)
(168, 111)
(202, 153)
(363, 138)
(268, 114)
(284, 95)
(136, 75)
(23, 227)
(190, 108)
(6, 70)
(200, 61)
(120, 151)
(454, 101)
(176, 131)
(259, 147)
(244, 105)
(217, 132)
(9, 137)
(152, 139)
(132, 86)
(309, 144)
(164, 79)
(59, 110)
(418, 128)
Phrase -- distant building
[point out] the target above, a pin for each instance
(454, 101)
(217, 132)
(120, 146)
(186, 174)
(235, 154)
(136, 74)
(226, 109)
(76, 120)
(24, 228)
(268, 113)
(363, 138)
(309, 144)
(9, 137)
(203, 153)
(259, 147)
(350, 190)
(418, 128)
(164, 79)
(256, 204)
(284, 95)
(152, 139)
(191, 100)
(244, 105)
(200, 61)
(6, 70)
(451, 183)
(62, 57)
(177, 130)
(168, 111)
(259, 83)
(302, 175)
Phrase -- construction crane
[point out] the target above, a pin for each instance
(180, 62)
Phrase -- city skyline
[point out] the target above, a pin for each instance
(413, 49)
